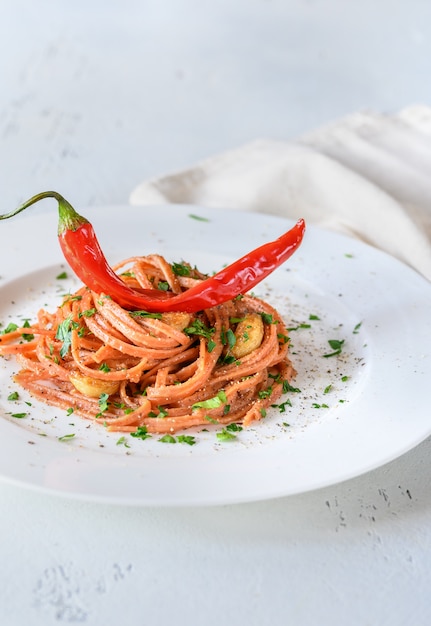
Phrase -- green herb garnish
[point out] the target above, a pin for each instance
(64, 334)
(198, 328)
(199, 218)
(179, 269)
(225, 435)
(231, 339)
(103, 404)
(211, 403)
(162, 412)
(211, 345)
(268, 318)
(157, 316)
(288, 387)
(265, 393)
(234, 428)
(188, 439)
(168, 439)
(66, 437)
(122, 441)
(10, 328)
(141, 433)
(282, 406)
(299, 326)
(336, 345)
(87, 313)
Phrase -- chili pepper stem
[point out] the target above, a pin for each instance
(69, 219)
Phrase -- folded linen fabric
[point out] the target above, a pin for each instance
(367, 175)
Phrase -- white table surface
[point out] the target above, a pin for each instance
(97, 96)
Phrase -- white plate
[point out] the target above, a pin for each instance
(355, 411)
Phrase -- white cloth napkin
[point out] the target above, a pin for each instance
(367, 175)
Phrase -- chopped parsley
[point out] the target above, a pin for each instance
(234, 428)
(211, 403)
(168, 439)
(199, 218)
(122, 441)
(188, 439)
(103, 404)
(10, 328)
(87, 313)
(288, 387)
(225, 435)
(336, 345)
(199, 328)
(228, 359)
(211, 345)
(69, 298)
(157, 316)
(236, 320)
(27, 336)
(282, 406)
(162, 412)
(265, 393)
(66, 437)
(230, 338)
(141, 433)
(64, 334)
(268, 318)
(179, 269)
(299, 326)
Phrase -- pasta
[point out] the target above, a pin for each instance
(165, 372)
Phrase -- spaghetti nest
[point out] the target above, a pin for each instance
(165, 372)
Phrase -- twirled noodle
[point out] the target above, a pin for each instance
(167, 372)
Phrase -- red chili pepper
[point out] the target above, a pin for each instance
(84, 255)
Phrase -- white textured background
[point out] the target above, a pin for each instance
(97, 96)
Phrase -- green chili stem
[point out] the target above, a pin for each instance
(69, 219)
